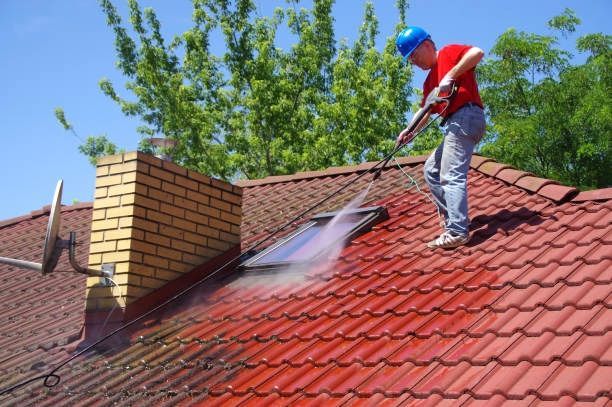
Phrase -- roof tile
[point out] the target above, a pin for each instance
(492, 168)
(604, 194)
(557, 193)
(533, 184)
(478, 160)
(511, 175)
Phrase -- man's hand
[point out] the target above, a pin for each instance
(404, 137)
(446, 84)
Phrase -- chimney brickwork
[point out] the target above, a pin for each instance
(155, 221)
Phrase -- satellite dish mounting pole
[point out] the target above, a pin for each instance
(21, 263)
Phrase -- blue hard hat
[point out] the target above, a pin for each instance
(409, 39)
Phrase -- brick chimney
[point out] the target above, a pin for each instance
(155, 221)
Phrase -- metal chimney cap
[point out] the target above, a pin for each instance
(163, 143)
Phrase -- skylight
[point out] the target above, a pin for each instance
(317, 237)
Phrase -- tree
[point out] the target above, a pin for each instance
(367, 103)
(257, 109)
(547, 116)
(94, 146)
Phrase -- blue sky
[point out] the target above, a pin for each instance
(56, 51)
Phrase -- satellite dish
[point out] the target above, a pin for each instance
(50, 254)
(53, 245)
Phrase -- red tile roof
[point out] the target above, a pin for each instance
(523, 312)
(39, 315)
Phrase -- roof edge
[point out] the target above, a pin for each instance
(45, 210)
(328, 172)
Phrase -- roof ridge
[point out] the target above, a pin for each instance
(545, 187)
(45, 210)
(329, 171)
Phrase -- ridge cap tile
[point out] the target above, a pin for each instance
(511, 175)
(545, 187)
(329, 171)
(412, 159)
(12, 221)
(532, 183)
(492, 168)
(45, 210)
(558, 192)
(478, 160)
(602, 194)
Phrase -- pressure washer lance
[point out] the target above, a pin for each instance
(432, 99)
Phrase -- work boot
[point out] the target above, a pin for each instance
(447, 240)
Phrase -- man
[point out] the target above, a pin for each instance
(463, 126)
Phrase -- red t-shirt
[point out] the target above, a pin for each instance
(467, 88)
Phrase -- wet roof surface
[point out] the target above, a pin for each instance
(523, 312)
(39, 315)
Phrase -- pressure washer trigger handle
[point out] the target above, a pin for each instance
(434, 96)
(446, 97)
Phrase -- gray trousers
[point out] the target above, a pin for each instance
(446, 169)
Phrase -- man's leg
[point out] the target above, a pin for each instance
(465, 128)
(431, 172)
(453, 180)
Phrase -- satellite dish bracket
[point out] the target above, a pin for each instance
(107, 272)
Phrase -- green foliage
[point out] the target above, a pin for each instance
(61, 118)
(257, 109)
(547, 116)
(566, 22)
(94, 147)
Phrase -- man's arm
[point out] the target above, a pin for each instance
(468, 61)
(406, 135)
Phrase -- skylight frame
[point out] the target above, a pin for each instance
(371, 216)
